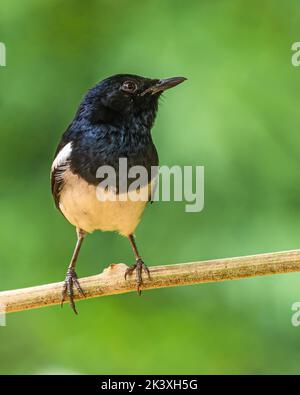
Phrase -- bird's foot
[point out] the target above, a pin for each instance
(138, 267)
(68, 288)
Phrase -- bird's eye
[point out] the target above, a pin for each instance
(129, 86)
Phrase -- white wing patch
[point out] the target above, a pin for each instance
(62, 157)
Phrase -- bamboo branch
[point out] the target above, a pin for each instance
(111, 280)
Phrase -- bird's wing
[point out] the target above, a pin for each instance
(60, 164)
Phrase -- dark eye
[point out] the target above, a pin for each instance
(129, 86)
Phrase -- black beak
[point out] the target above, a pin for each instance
(164, 84)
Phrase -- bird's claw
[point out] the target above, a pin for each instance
(68, 288)
(139, 267)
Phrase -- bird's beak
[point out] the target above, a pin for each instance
(164, 84)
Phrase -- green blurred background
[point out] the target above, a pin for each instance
(238, 115)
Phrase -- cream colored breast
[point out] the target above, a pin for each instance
(81, 206)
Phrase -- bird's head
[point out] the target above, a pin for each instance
(126, 97)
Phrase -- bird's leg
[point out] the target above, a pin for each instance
(139, 266)
(71, 276)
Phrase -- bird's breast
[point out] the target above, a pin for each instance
(90, 208)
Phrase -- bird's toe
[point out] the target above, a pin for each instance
(138, 267)
(71, 280)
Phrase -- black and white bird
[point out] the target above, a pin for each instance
(113, 121)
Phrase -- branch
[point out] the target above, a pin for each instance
(111, 280)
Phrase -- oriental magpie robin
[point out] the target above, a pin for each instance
(113, 121)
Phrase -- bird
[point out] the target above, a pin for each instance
(113, 122)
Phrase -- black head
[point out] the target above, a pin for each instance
(124, 97)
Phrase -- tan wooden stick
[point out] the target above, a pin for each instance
(111, 280)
